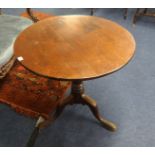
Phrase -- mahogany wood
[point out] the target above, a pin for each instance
(78, 96)
(74, 47)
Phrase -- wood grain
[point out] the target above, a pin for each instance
(74, 47)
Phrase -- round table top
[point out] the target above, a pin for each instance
(74, 47)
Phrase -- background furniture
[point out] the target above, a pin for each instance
(90, 56)
(126, 97)
(19, 87)
(124, 15)
(36, 16)
(11, 26)
(142, 12)
(92, 11)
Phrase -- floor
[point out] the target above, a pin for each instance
(127, 97)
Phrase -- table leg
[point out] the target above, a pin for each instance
(92, 11)
(39, 124)
(91, 103)
(125, 13)
(77, 96)
(135, 16)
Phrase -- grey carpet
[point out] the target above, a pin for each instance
(127, 97)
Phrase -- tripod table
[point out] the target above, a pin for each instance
(75, 48)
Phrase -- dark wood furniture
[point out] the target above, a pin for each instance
(92, 11)
(31, 15)
(124, 15)
(36, 16)
(142, 12)
(28, 81)
(75, 48)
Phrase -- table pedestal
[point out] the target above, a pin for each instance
(77, 96)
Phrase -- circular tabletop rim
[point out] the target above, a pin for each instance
(82, 78)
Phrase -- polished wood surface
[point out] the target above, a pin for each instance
(74, 47)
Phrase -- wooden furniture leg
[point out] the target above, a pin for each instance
(30, 13)
(145, 10)
(135, 16)
(39, 124)
(125, 13)
(91, 103)
(77, 96)
(92, 11)
(142, 12)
